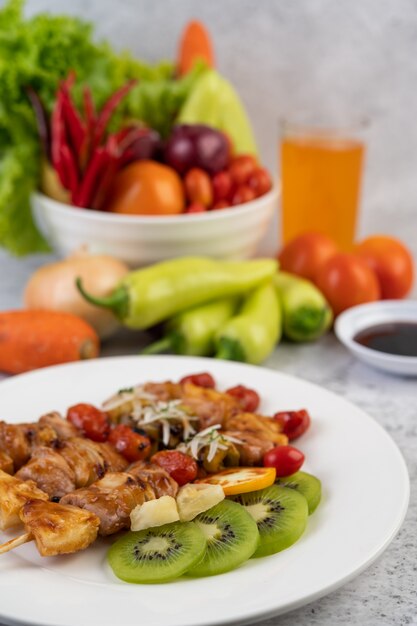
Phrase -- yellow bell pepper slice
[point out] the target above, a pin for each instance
(242, 479)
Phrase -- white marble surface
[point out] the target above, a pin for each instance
(384, 595)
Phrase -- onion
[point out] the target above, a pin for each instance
(53, 287)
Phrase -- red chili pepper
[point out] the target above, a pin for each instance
(58, 139)
(70, 167)
(91, 176)
(89, 108)
(109, 168)
(75, 127)
(108, 109)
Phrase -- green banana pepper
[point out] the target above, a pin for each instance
(151, 295)
(253, 333)
(192, 332)
(305, 311)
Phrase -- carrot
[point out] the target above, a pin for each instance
(32, 339)
(195, 44)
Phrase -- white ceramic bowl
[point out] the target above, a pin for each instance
(232, 233)
(358, 318)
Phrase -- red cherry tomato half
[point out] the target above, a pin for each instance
(181, 467)
(133, 446)
(222, 186)
(201, 380)
(294, 423)
(248, 398)
(90, 420)
(260, 181)
(195, 207)
(286, 459)
(242, 167)
(243, 194)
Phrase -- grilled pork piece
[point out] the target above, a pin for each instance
(6, 463)
(19, 441)
(259, 426)
(159, 480)
(14, 493)
(50, 471)
(63, 428)
(59, 529)
(210, 406)
(75, 463)
(112, 499)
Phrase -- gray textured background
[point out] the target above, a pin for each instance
(335, 59)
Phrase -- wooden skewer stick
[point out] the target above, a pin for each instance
(16, 542)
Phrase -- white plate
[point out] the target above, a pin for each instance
(358, 318)
(365, 485)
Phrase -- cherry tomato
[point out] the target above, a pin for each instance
(222, 186)
(201, 380)
(90, 420)
(248, 398)
(198, 187)
(181, 467)
(347, 280)
(220, 204)
(146, 188)
(243, 194)
(133, 446)
(242, 167)
(294, 423)
(286, 459)
(305, 254)
(391, 261)
(260, 181)
(195, 207)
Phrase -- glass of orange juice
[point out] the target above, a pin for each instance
(321, 171)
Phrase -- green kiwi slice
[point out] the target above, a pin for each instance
(306, 484)
(157, 555)
(281, 516)
(232, 537)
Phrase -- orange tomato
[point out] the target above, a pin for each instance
(391, 261)
(305, 254)
(198, 187)
(242, 479)
(347, 280)
(146, 188)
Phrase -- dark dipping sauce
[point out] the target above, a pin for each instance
(394, 338)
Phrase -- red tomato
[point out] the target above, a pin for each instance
(391, 261)
(133, 446)
(198, 187)
(243, 194)
(90, 420)
(260, 181)
(294, 423)
(222, 186)
(201, 380)
(286, 459)
(346, 280)
(220, 204)
(305, 254)
(195, 207)
(181, 467)
(248, 398)
(242, 167)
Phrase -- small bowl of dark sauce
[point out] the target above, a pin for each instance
(382, 334)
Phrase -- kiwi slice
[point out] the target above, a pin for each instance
(280, 513)
(157, 555)
(306, 484)
(232, 537)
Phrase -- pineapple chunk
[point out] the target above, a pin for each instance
(196, 498)
(154, 513)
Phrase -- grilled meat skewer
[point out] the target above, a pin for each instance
(102, 508)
